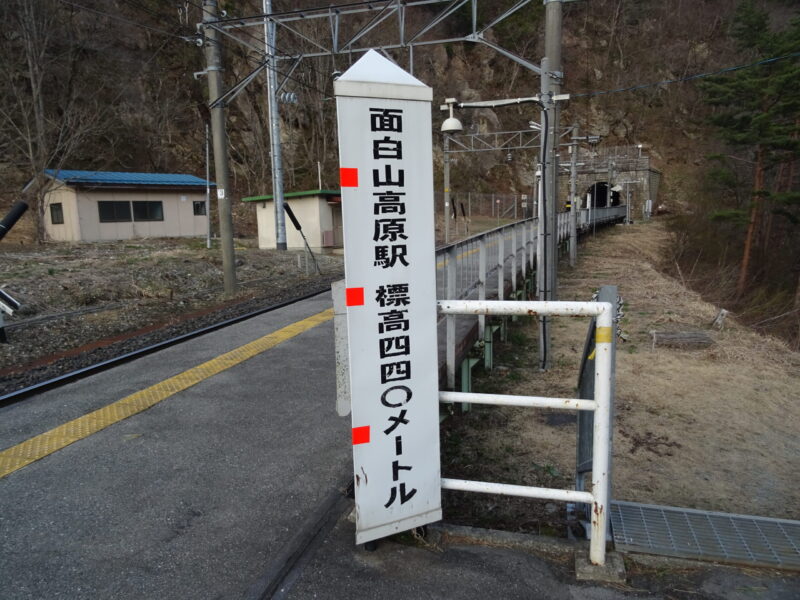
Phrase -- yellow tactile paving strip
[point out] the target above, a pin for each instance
(37, 447)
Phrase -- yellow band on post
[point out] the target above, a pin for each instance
(603, 335)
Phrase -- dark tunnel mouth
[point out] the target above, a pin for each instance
(598, 193)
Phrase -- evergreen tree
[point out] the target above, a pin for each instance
(757, 111)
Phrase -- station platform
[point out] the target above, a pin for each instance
(190, 497)
(218, 468)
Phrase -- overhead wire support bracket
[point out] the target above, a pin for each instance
(288, 75)
(450, 9)
(387, 11)
(478, 38)
(236, 89)
(502, 17)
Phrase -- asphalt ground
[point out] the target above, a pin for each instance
(191, 498)
(233, 487)
(475, 564)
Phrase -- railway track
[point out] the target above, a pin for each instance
(51, 372)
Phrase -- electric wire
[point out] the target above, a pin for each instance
(642, 86)
(302, 11)
(277, 50)
(112, 103)
(123, 20)
(262, 41)
(183, 38)
(258, 63)
(149, 10)
(191, 33)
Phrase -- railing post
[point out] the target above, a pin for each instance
(533, 242)
(601, 406)
(500, 264)
(513, 259)
(481, 284)
(450, 292)
(601, 443)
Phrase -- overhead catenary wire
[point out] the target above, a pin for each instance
(155, 13)
(112, 103)
(302, 11)
(262, 41)
(123, 20)
(723, 71)
(261, 64)
(263, 54)
(185, 38)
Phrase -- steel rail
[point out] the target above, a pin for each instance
(22, 393)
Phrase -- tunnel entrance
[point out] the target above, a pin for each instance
(598, 195)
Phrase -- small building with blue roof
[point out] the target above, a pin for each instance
(89, 206)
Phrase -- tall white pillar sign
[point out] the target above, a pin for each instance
(386, 174)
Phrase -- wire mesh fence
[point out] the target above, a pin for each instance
(471, 213)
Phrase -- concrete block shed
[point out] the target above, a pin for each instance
(318, 211)
(90, 206)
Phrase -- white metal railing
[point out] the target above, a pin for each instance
(598, 498)
(480, 266)
(507, 250)
(598, 216)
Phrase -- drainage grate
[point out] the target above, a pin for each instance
(699, 534)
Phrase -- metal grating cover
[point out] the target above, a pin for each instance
(698, 534)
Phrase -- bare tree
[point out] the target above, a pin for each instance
(46, 110)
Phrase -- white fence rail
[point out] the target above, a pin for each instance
(598, 498)
(507, 250)
(479, 267)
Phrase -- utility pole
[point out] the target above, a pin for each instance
(545, 209)
(446, 188)
(220, 143)
(450, 125)
(547, 258)
(573, 197)
(208, 194)
(274, 127)
(552, 73)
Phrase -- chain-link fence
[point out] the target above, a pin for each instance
(470, 213)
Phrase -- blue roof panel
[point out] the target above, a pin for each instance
(120, 178)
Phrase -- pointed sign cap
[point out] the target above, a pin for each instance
(374, 76)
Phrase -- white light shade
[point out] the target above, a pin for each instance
(452, 125)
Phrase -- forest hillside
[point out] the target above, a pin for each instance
(114, 85)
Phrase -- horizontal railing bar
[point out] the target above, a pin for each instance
(524, 401)
(484, 234)
(516, 307)
(523, 491)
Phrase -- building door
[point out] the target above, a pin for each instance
(338, 235)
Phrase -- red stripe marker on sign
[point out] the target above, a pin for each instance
(361, 435)
(354, 296)
(348, 177)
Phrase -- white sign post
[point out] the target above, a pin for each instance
(386, 159)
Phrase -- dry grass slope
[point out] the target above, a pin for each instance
(715, 428)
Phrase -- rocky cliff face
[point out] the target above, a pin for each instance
(144, 110)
